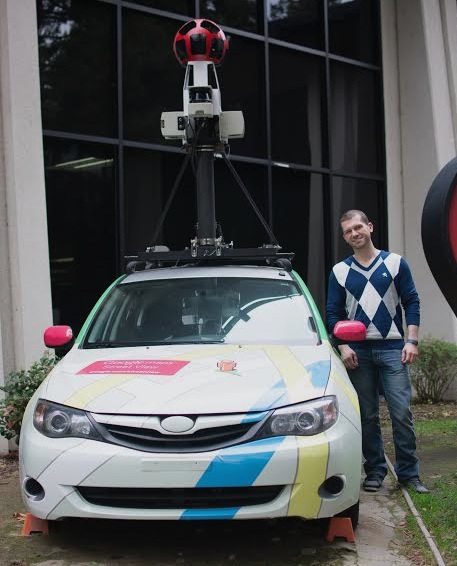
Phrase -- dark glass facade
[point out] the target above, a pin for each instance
(307, 76)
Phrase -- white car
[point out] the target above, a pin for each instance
(195, 393)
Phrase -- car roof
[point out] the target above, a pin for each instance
(184, 272)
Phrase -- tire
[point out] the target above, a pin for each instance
(353, 514)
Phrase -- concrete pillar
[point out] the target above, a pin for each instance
(25, 294)
(419, 137)
(395, 194)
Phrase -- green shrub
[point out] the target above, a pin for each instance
(434, 369)
(18, 390)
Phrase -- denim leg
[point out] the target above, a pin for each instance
(365, 381)
(397, 391)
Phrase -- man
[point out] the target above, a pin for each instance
(373, 286)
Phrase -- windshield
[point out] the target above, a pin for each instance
(229, 310)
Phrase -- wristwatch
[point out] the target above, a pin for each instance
(411, 341)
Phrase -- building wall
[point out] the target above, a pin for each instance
(25, 294)
(419, 91)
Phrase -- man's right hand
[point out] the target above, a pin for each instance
(348, 356)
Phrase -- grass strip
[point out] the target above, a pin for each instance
(429, 428)
(439, 513)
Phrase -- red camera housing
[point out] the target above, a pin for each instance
(200, 40)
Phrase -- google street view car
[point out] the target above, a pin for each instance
(203, 384)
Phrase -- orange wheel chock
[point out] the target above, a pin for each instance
(33, 524)
(340, 527)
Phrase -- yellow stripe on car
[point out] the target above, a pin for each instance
(350, 393)
(313, 454)
(293, 372)
(93, 390)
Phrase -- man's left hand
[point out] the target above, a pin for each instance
(409, 353)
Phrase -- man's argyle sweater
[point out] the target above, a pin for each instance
(375, 296)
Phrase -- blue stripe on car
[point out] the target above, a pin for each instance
(272, 396)
(202, 514)
(226, 469)
(254, 417)
(319, 373)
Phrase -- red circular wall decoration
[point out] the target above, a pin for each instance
(439, 231)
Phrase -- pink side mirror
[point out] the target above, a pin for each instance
(350, 331)
(56, 336)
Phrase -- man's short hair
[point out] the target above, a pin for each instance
(349, 215)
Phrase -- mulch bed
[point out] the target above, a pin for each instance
(427, 412)
(8, 465)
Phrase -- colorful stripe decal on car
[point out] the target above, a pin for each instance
(313, 454)
(87, 394)
(343, 384)
(312, 305)
(225, 469)
(295, 375)
(293, 372)
(272, 397)
(88, 321)
(319, 373)
(253, 417)
(203, 514)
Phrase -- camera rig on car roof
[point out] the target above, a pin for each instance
(205, 130)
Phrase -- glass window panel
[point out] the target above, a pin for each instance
(356, 114)
(297, 107)
(77, 49)
(297, 21)
(234, 213)
(149, 179)
(354, 29)
(242, 14)
(242, 84)
(186, 7)
(153, 78)
(298, 220)
(80, 195)
(358, 194)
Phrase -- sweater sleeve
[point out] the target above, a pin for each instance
(336, 303)
(408, 294)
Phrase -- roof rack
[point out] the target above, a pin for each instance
(210, 255)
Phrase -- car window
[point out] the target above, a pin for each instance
(207, 309)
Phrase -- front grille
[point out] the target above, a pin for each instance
(206, 439)
(180, 498)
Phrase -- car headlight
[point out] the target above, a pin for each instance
(58, 421)
(304, 419)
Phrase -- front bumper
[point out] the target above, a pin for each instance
(309, 477)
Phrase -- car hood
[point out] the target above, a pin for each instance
(197, 379)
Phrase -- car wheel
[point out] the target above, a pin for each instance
(353, 514)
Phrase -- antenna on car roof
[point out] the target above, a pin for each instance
(205, 130)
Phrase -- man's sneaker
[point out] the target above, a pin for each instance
(372, 483)
(414, 484)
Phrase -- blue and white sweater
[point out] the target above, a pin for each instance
(375, 296)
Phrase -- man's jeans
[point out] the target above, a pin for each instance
(384, 368)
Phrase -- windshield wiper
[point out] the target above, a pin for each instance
(221, 341)
(107, 344)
